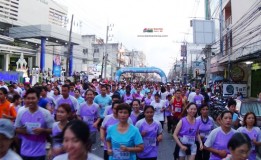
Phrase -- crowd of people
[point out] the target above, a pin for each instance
(68, 121)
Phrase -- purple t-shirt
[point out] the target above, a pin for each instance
(127, 99)
(188, 131)
(205, 127)
(70, 100)
(148, 101)
(198, 100)
(168, 106)
(255, 133)
(150, 139)
(56, 131)
(108, 121)
(89, 114)
(33, 145)
(138, 96)
(218, 139)
(134, 117)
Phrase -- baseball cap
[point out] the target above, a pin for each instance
(7, 128)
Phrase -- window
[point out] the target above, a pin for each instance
(85, 51)
(96, 50)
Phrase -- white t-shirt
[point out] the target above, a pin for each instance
(65, 157)
(158, 115)
(11, 155)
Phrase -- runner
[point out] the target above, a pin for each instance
(186, 133)
(76, 142)
(239, 146)
(7, 134)
(68, 99)
(34, 124)
(89, 113)
(62, 115)
(108, 109)
(123, 139)
(218, 138)
(151, 132)
(159, 106)
(6, 110)
(206, 125)
(250, 128)
(135, 110)
(108, 121)
(127, 98)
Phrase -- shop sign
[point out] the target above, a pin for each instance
(233, 88)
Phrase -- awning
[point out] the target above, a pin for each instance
(218, 78)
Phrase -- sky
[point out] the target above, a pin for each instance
(130, 17)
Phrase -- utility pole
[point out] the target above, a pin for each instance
(106, 51)
(207, 50)
(69, 49)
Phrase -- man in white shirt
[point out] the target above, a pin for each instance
(192, 95)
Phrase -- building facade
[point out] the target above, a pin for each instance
(239, 48)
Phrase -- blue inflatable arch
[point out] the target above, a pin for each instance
(141, 70)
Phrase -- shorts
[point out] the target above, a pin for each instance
(93, 137)
(193, 149)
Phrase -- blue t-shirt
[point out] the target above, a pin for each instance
(102, 102)
(130, 138)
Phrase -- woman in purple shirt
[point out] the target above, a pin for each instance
(217, 140)
(206, 125)
(135, 110)
(186, 133)
(250, 128)
(151, 132)
(62, 115)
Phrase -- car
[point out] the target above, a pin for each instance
(249, 105)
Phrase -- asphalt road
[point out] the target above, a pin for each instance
(166, 147)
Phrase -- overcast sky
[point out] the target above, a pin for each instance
(130, 17)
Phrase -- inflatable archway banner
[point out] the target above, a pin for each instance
(141, 70)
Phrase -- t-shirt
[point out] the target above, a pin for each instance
(218, 139)
(158, 115)
(255, 134)
(205, 127)
(150, 139)
(72, 101)
(102, 101)
(6, 109)
(89, 114)
(91, 156)
(11, 155)
(33, 145)
(130, 138)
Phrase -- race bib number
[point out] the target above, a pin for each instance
(30, 126)
(198, 102)
(204, 134)
(118, 154)
(149, 141)
(178, 110)
(188, 139)
(88, 119)
(128, 101)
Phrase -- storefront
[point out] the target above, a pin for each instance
(255, 79)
